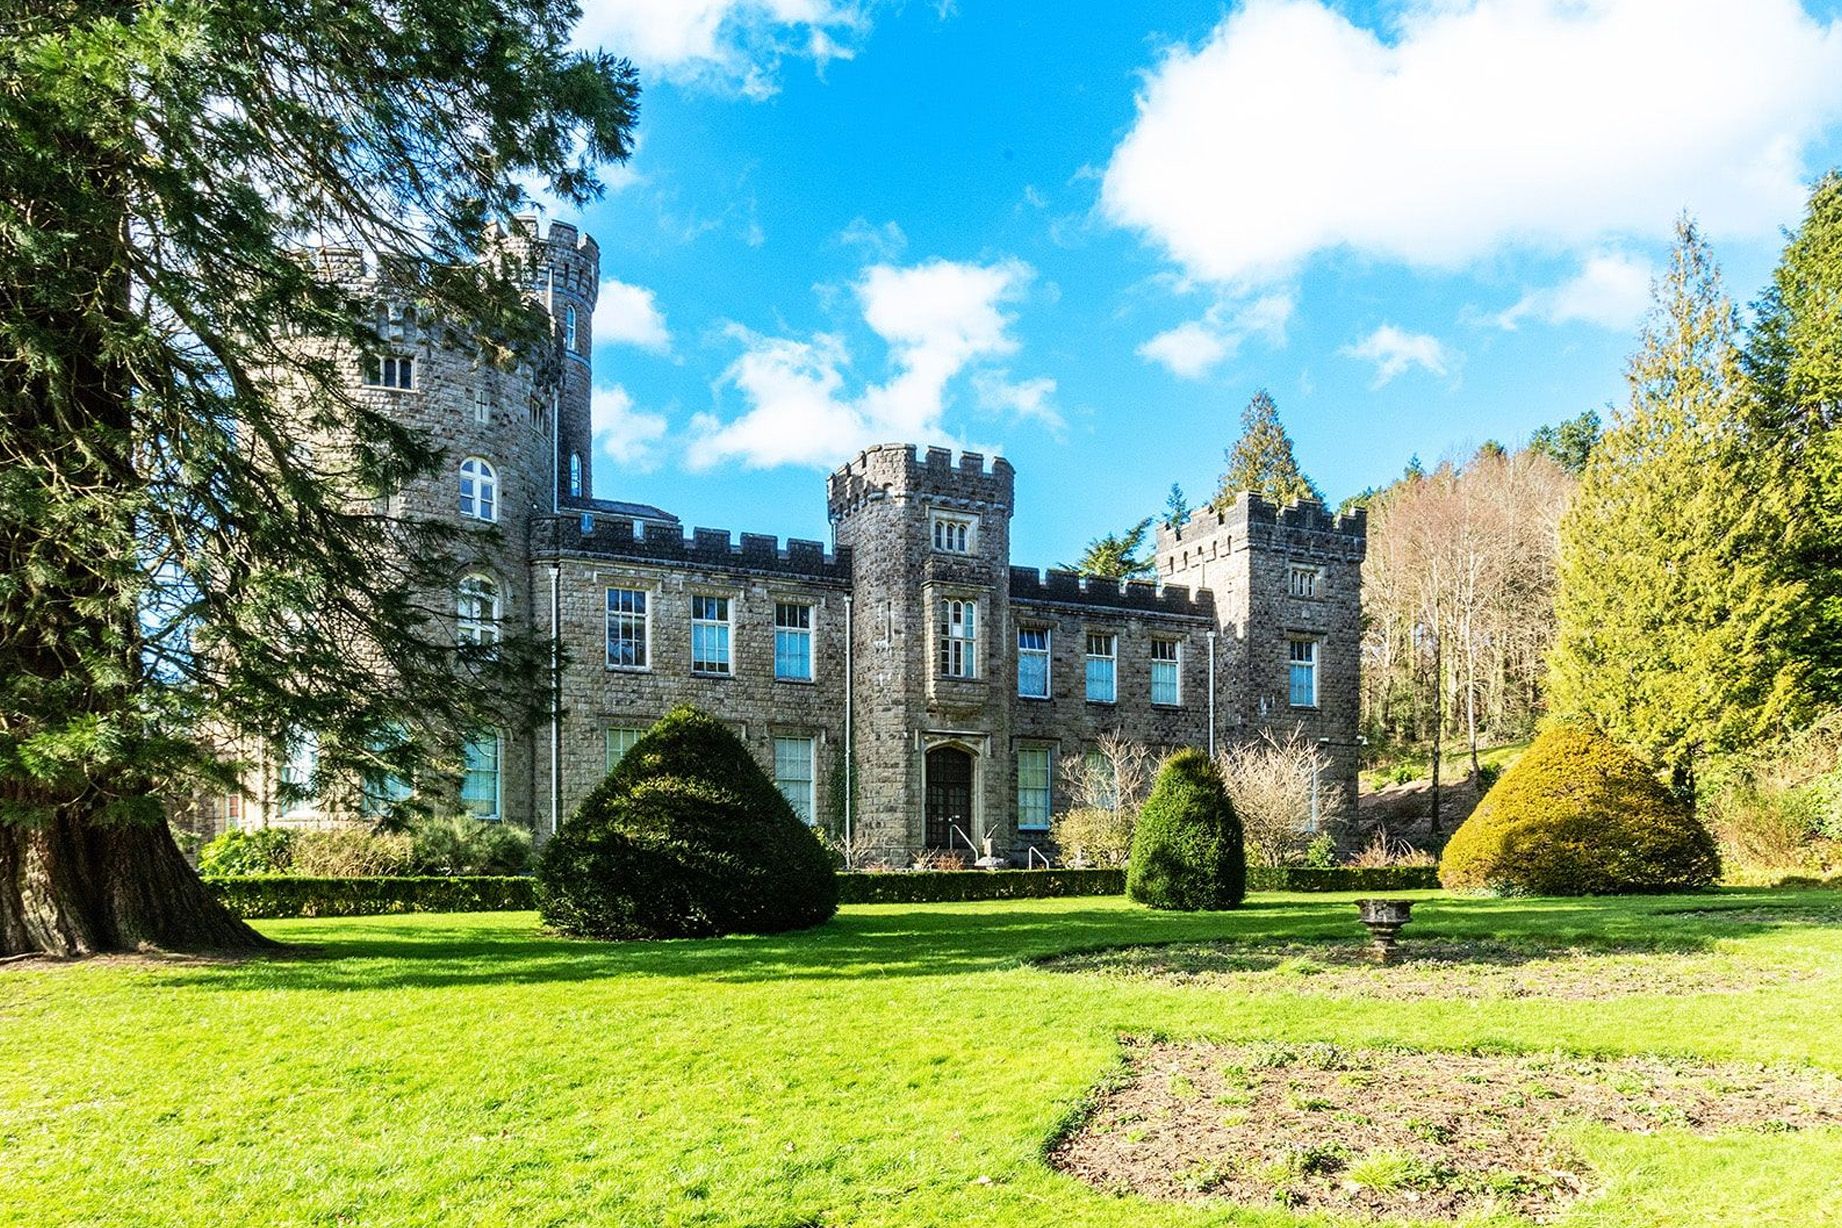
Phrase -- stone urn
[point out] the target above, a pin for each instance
(1384, 919)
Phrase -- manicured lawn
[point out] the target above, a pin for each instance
(902, 1065)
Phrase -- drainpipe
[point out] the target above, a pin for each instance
(850, 849)
(556, 696)
(1211, 695)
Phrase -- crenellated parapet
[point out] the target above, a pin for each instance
(718, 549)
(561, 259)
(896, 471)
(1306, 529)
(1062, 587)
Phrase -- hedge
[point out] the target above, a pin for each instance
(285, 896)
(292, 896)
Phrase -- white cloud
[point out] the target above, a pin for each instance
(725, 44)
(631, 436)
(1612, 290)
(1030, 399)
(1394, 350)
(630, 315)
(884, 242)
(1192, 349)
(1477, 126)
(938, 319)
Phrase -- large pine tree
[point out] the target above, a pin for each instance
(1672, 614)
(1261, 460)
(174, 563)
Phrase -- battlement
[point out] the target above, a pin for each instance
(1062, 587)
(1256, 521)
(560, 258)
(755, 553)
(894, 471)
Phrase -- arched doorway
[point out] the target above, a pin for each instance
(949, 798)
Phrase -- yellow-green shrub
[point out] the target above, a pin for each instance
(1579, 815)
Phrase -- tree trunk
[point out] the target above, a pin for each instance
(71, 887)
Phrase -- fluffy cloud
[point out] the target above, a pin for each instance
(884, 242)
(1031, 399)
(725, 44)
(1612, 290)
(629, 315)
(1477, 125)
(1192, 349)
(631, 436)
(939, 319)
(1394, 350)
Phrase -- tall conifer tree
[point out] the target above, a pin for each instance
(1261, 460)
(1671, 615)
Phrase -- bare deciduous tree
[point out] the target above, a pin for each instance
(1104, 788)
(1272, 782)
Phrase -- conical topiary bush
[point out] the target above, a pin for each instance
(687, 837)
(1579, 815)
(1186, 849)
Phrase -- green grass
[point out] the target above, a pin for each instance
(1454, 765)
(900, 1066)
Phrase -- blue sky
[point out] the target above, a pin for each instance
(1083, 234)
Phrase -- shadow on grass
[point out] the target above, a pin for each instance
(431, 951)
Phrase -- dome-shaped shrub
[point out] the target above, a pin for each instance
(1579, 815)
(1186, 849)
(687, 837)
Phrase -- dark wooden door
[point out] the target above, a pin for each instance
(949, 797)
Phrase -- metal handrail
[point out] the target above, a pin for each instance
(955, 827)
(1030, 857)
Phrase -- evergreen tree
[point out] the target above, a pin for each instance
(174, 562)
(1261, 460)
(1671, 617)
(1116, 556)
(1569, 443)
(1176, 508)
(1793, 374)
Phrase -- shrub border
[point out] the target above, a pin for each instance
(263, 896)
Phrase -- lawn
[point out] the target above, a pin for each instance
(901, 1066)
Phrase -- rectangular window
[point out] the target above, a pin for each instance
(575, 475)
(709, 635)
(303, 759)
(620, 740)
(792, 641)
(1102, 779)
(1033, 801)
(1102, 668)
(482, 406)
(1304, 687)
(390, 371)
(1033, 662)
(1166, 657)
(627, 628)
(793, 773)
(1302, 581)
(953, 534)
(959, 638)
(232, 811)
(480, 783)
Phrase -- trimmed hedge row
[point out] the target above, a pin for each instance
(278, 895)
(262, 896)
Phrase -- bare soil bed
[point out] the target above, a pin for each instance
(1391, 1132)
(1439, 968)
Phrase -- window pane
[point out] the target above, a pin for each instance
(620, 740)
(1033, 674)
(793, 641)
(1033, 775)
(627, 628)
(793, 773)
(1164, 682)
(1101, 672)
(1304, 688)
(480, 784)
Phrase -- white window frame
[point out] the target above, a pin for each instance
(725, 624)
(808, 632)
(957, 626)
(953, 533)
(626, 618)
(1047, 788)
(1175, 662)
(1111, 658)
(1302, 581)
(478, 609)
(613, 736)
(392, 372)
(300, 760)
(479, 489)
(575, 475)
(569, 326)
(1310, 662)
(1046, 653)
(811, 818)
(498, 776)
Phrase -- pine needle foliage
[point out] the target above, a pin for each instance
(1262, 460)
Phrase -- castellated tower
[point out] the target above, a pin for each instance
(930, 548)
(1287, 584)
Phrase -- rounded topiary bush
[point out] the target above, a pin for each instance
(1186, 849)
(687, 837)
(1579, 815)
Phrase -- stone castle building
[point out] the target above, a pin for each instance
(908, 687)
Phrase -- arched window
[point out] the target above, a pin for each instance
(479, 490)
(478, 606)
(575, 474)
(569, 328)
